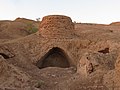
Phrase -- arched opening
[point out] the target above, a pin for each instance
(55, 57)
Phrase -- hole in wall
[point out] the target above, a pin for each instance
(5, 56)
(106, 50)
(55, 57)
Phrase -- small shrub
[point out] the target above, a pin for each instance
(31, 28)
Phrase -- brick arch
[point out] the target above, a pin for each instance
(55, 57)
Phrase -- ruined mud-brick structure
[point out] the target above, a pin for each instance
(55, 44)
(58, 44)
(60, 30)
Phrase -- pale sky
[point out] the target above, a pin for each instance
(85, 11)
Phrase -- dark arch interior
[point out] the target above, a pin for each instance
(54, 58)
(5, 56)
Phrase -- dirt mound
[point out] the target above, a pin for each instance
(31, 24)
(24, 20)
(115, 23)
(11, 77)
(10, 30)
